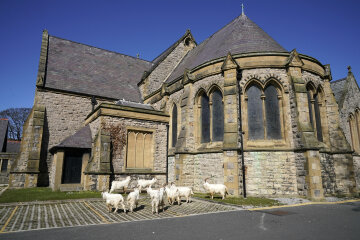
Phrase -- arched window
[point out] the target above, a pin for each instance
(263, 109)
(217, 116)
(314, 102)
(211, 127)
(273, 124)
(205, 119)
(174, 126)
(255, 113)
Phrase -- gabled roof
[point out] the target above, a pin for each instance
(79, 68)
(341, 87)
(338, 88)
(81, 139)
(3, 131)
(164, 54)
(240, 36)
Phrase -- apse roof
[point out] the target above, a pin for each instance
(239, 36)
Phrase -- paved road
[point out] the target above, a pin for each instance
(340, 221)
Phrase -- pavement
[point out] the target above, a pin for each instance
(17, 217)
(306, 221)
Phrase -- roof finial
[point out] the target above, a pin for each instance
(242, 9)
(349, 69)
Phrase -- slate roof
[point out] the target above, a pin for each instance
(135, 105)
(79, 68)
(240, 36)
(3, 131)
(81, 139)
(338, 88)
(13, 146)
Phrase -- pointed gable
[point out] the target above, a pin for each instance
(240, 36)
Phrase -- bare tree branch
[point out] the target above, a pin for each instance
(16, 117)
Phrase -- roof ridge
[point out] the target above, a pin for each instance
(84, 44)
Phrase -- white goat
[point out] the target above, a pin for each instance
(142, 183)
(215, 188)
(133, 199)
(113, 200)
(184, 192)
(172, 194)
(157, 199)
(117, 185)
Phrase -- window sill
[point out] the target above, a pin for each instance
(254, 144)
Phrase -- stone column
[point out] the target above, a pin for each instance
(58, 163)
(309, 143)
(231, 131)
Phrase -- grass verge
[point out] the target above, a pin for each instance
(43, 194)
(249, 201)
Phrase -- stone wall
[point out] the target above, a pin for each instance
(357, 170)
(300, 161)
(65, 114)
(156, 78)
(271, 173)
(350, 103)
(328, 173)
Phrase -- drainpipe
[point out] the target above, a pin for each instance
(242, 143)
(167, 153)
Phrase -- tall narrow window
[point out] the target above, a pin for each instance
(318, 118)
(217, 116)
(310, 108)
(174, 126)
(4, 165)
(314, 104)
(205, 119)
(255, 113)
(273, 125)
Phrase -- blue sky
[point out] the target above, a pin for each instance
(326, 30)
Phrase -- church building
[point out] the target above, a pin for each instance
(237, 108)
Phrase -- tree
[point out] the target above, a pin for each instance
(16, 117)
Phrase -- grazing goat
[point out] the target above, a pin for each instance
(133, 199)
(172, 194)
(157, 199)
(113, 200)
(184, 192)
(115, 185)
(215, 188)
(142, 183)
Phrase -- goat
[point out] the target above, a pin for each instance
(115, 185)
(184, 192)
(172, 194)
(133, 199)
(142, 183)
(157, 199)
(113, 200)
(215, 188)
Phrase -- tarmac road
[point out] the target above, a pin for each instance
(335, 221)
